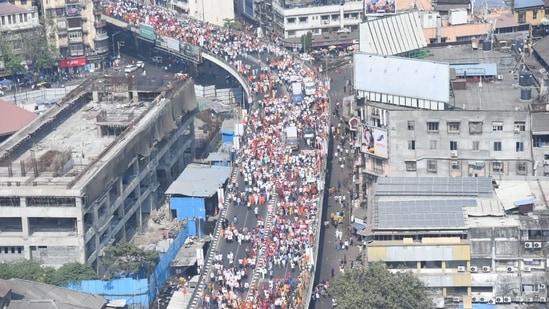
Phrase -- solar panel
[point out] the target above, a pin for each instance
(434, 186)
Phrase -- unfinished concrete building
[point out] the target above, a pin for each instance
(87, 173)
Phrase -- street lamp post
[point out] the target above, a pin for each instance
(112, 37)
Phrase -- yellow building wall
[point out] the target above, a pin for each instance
(529, 16)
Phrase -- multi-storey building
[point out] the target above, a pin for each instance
(89, 171)
(16, 25)
(202, 10)
(79, 34)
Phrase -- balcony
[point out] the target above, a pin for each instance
(102, 50)
(75, 40)
(101, 36)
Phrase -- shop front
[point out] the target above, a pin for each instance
(74, 66)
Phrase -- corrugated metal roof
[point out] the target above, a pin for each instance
(12, 117)
(199, 180)
(540, 123)
(392, 35)
(522, 4)
(403, 77)
(541, 48)
(475, 69)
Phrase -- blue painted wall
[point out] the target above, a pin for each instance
(189, 207)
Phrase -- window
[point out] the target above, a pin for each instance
(475, 127)
(411, 125)
(520, 126)
(521, 17)
(291, 20)
(453, 127)
(476, 146)
(455, 165)
(411, 166)
(535, 14)
(453, 145)
(521, 168)
(433, 144)
(431, 166)
(497, 146)
(497, 126)
(432, 126)
(303, 20)
(411, 145)
(497, 167)
(520, 147)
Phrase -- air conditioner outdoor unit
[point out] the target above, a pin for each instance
(482, 299)
(527, 245)
(542, 299)
(527, 268)
(541, 286)
(454, 153)
(537, 244)
(486, 269)
(491, 301)
(456, 299)
(500, 76)
(474, 269)
(507, 299)
(474, 299)
(461, 269)
(510, 269)
(519, 299)
(499, 300)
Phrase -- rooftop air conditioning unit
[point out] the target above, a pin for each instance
(541, 286)
(542, 299)
(499, 300)
(537, 244)
(491, 301)
(507, 299)
(475, 299)
(527, 269)
(482, 299)
(456, 299)
(461, 269)
(474, 269)
(519, 299)
(486, 269)
(527, 245)
(454, 153)
(510, 269)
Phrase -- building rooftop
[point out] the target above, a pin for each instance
(187, 255)
(499, 93)
(523, 4)
(199, 180)
(12, 117)
(7, 8)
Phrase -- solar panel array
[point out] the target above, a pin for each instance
(442, 214)
(434, 186)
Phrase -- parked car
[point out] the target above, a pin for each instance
(157, 59)
(41, 85)
(140, 64)
(130, 68)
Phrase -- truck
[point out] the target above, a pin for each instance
(297, 92)
(310, 86)
(291, 138)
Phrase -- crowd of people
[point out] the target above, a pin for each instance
(292, 180)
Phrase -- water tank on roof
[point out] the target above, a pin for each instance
(526, 78)
(525, 94)
(487, 45)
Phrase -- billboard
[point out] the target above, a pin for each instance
(146, 32)
(189, 52)
(379, 7)
(173, 44)
(373, 141)
(161, 41)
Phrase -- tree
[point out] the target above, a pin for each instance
(12, 64)
(72, 273)
(307, 41)
(376, 287)
(27, 270)
(232, 24)
(126, 259)
(40, 53)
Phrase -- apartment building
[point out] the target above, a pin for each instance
(202, 10)
(468, 240)
(17, 24)
(88, 172)
(78, 32)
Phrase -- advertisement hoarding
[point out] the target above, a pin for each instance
(161, 41)
(146, 32)
(379, 7)
(189, 52)
(69, 63)
(373, 141)
(173, 44)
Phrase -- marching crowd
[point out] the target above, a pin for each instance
(284, 238)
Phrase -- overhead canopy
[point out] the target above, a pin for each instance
(199, 180)
(475, 69)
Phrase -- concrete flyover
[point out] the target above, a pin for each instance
(206, 55)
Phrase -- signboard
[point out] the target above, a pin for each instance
(69, 63)
(373, 141)
(379, 7)
(146, 32)
(161, 41)
(189, 52)
(173, 44)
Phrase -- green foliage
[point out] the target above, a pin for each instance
(12, 64)
(35, 271)
(72, 273)
(38, 51)
(307, 41)
(376, 287)
(232, 24)
(125, 258)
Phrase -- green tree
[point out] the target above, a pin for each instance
(376, 287)
(38, 51)
(72, 273)
(232, 24)
(12, 64)
(27, 270)
(125, 258)
(307, 41)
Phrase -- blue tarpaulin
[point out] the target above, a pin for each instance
(358, 226)
(526, 201)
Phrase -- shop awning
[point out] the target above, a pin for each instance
(358, 226)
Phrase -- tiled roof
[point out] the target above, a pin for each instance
(7, 8)
(13, 118)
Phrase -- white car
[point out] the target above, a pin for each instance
(130, 68)
(140, 64)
